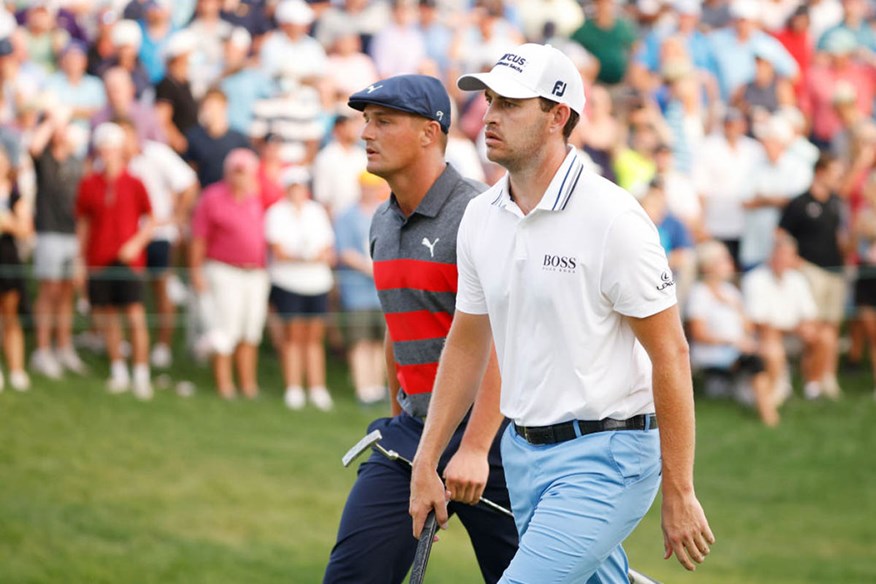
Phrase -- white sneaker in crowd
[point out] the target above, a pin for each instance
(812, 390)
(120, 379)
(19, 380)
(43, 362)
(320, 398)
(68, 359)
(142, 389)
(161, 356)
(831, 388)
(294, 398)
(142, 382)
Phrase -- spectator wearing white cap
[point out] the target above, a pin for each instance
(175, 105)
(126, 39)
(733, 48)
(301, 239)
(208, 28)
(840, 69)
(778, 177)
(157, 31)
(243, 81)
(114, 224)
(290, 50)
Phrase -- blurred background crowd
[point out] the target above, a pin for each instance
(192, 165)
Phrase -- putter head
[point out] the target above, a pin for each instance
(361, 446)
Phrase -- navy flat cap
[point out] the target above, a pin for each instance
(415, 94)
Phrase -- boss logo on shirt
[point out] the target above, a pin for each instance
(555, 263)
(665, 281)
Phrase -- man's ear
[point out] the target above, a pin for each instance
(560, 114)
(431, 133)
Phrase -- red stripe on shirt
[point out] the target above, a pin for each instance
(417, 378)
(417, 325)
(415, 274)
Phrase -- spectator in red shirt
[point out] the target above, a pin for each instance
(110, 210)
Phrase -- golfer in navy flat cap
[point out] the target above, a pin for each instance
(413, 246)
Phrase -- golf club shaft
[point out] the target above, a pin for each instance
(393, 455)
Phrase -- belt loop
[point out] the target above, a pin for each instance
(576, 425)
(647, 422)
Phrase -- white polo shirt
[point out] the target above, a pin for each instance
(557, 285)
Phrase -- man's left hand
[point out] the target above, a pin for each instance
(686, 532)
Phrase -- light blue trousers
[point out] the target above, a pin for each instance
(576, 502)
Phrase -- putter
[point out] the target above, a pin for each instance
(424, 547)
(639, 578)
(372, 440)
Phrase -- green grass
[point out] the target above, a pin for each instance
(97, 488)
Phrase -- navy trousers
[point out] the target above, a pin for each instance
(375, 545)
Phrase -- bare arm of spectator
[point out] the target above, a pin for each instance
(197, 253)
(358, 261)
(136, 244)
(185, 202)
(175, 138)
(19, 221)
(83, 232)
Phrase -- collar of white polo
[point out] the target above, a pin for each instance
(559, 191)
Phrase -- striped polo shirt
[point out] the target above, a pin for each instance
(415, 274)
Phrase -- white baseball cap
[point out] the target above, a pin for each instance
(294, 12)
(126, 32)
(529, 71)
(108, 135)
(180, 43)
(745, 9)
(295, 175)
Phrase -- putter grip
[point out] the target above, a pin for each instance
(424, 547)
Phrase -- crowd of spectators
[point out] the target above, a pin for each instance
(139, 136)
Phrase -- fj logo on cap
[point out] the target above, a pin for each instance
(559, 89)
(372, 88)
(440, 115)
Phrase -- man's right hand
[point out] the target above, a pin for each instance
(427, 493)
(198, 282)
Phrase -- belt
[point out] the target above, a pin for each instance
(567, 430)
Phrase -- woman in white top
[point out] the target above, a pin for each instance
(301, 240)
(721, 335)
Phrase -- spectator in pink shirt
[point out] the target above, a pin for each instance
(227, 260)
(841, 69)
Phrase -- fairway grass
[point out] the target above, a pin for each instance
(97, 488)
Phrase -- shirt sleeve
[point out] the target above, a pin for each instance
(635, 276)
(753, 296)
(470, 296)
(274, 224)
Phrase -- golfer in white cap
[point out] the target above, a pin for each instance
(565, 272)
